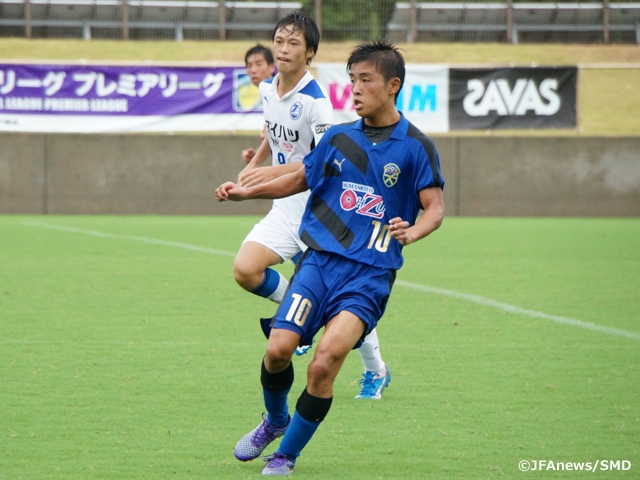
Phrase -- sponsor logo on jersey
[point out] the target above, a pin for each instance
(390, 174)
(322, 128)
(357, 187)
(361, 197)
(287, 146)
(296, 111)
(506, 101)
(280, 132)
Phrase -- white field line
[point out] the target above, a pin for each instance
(487, 302)
(521, 311)
(131, 343)
(131, 237)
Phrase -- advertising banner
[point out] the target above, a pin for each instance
(98, 98)
(424, 98)
(94, 98)
(512, 98)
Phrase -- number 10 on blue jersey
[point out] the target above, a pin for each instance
(380, 237)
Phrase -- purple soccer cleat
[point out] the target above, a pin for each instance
(253, 443)
(278, 465)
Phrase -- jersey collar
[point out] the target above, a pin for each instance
(399, 133)
(306, 78)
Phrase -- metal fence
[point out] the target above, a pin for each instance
(141, 19)
(474, 21)
(516, 22)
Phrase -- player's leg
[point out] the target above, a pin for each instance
(370, 353)
(376, 374)
(341, 333)
(276, 377)
(272, 241)
(251, 271)
(299, 317)
(277, 374)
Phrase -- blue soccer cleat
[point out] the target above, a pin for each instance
(278, 465)
(372, 384)
(303, 349)
(253, 443)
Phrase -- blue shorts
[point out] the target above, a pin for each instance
(326, 284)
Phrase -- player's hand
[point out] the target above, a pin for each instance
(230, 191)
(400, 230)
(248, 154)
(254, 176)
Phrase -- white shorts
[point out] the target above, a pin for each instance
(278, 233)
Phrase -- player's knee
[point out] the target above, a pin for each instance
(322, 369)
(278, 356)
(245, 276)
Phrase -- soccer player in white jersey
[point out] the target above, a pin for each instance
(297, 113)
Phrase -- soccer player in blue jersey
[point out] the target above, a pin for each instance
(368, 181)
(297, 112)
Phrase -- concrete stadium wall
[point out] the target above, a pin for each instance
(177, 174)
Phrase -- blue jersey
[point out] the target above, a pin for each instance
(357, 187)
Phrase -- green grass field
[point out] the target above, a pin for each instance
(128, 352)
(608, 99)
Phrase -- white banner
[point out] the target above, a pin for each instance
(204, 122)
(424, 98)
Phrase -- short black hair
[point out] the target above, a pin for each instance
(259, 49)
(303, 23)
(384, 56)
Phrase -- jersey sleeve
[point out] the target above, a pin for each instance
(428, 172)
(314, 165)
(320, 118)
(262, 86)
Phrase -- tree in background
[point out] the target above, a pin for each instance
(353, 19)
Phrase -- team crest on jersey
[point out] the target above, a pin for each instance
(390, 174)
(296, 111)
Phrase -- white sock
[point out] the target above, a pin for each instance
(278, 295)
(370, 353)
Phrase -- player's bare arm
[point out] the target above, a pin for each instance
(433, 205)
(281, 187)
(263, 152)
(265, 174)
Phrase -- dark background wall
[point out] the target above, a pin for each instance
(177, 174)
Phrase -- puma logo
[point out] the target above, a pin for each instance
(339, 164)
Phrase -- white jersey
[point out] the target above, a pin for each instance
(295, 123)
